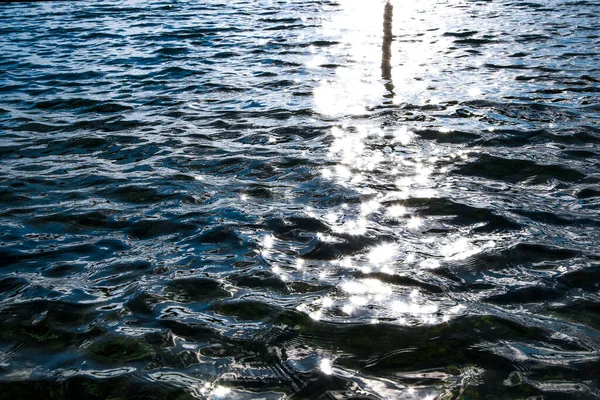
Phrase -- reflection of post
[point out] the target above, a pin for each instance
(386, 48)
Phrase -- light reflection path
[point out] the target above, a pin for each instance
(388, 167)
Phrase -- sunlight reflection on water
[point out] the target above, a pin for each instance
(360, 84)
(365, 155)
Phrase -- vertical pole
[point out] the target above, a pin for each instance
(386, 48)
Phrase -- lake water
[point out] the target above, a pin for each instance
(272, 199)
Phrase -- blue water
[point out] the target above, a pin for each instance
(268, 200)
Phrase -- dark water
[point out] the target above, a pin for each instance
(226, 200)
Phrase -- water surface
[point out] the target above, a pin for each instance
(268, 199)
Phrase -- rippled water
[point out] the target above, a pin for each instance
(265, 199)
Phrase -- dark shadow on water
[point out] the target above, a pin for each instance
(386, 49)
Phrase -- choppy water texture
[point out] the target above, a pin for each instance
(239, 200)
